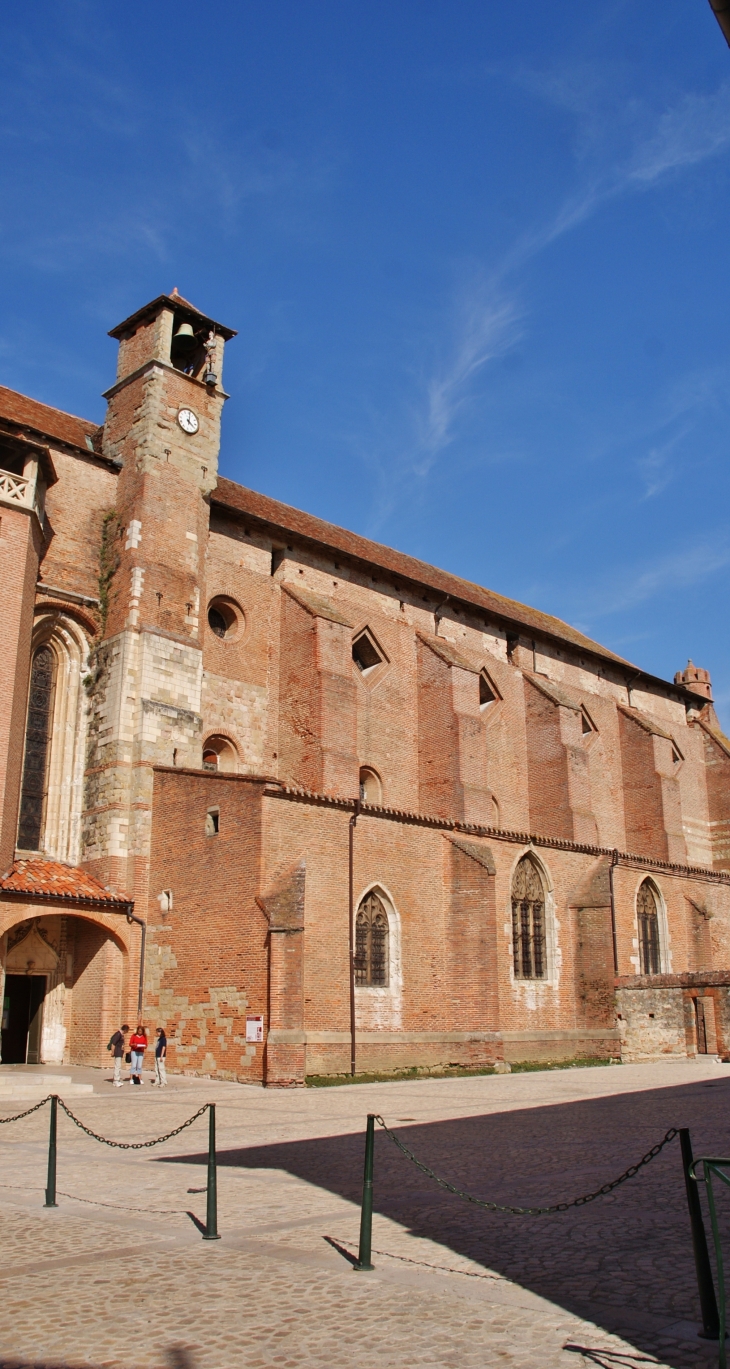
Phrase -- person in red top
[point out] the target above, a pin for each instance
(137, 1046)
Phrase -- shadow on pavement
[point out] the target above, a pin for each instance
(623, 1262)
(178, 1357)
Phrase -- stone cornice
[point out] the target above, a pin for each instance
(156, 365)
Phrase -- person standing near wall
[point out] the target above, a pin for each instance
(116, 1046)
(137, 1046)
(160, 1058)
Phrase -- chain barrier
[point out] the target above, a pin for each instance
(132, 1145)
(210, 1232)
(18, 1115)
(530, 1211)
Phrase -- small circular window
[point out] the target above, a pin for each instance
(225, 619)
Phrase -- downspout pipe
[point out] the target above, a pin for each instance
(143, 925)
(353, 822)
(611, 868)
(629, 686)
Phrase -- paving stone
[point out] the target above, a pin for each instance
(123, 1280)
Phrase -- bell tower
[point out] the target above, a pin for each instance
(162, 430)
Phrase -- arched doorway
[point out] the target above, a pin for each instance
(64, 982)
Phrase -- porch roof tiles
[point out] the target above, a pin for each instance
(38, 878)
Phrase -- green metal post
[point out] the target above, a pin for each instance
(366, 1211)
(705, 1286)
(708, 1168)
(51, 1181)
(211, 1218)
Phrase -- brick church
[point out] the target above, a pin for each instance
(308, 803)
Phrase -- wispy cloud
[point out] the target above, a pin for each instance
(696, 128)
(488, 326)
(693, 129)
(676, 571)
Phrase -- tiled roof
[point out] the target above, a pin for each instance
(50, 879)
(41, 418)
(552, 691)
(316, 604)
(289, 521)
(173, 301)
(448, 652)
(643, 721)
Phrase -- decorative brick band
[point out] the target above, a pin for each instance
(691, 979)
(277, 789)
(497, 833)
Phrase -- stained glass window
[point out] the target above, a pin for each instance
(528, 922)
(371, 944)
(648, 919)
(37, 747)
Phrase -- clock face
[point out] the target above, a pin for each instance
(188, 421)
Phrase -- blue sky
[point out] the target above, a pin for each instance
(475, 253)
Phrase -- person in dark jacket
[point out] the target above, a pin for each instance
(116, 1046)
(160, 1058)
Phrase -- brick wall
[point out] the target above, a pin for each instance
(75, 508)
(96, 993)
(642, 797)
(550, 809)
(207, 956)
(20, 545)
(717, 778)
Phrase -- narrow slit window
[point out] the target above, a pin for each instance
(212, 822)
(371, 944)
(488, 693)
(647, 916)
(37, 748)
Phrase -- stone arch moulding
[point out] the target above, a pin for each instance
(552, 926)
(44, 941)
(381, 1009)
(71, 612)
(371, 785)
(665, 953)
(15, 912)
(226, 749)
(61, 830)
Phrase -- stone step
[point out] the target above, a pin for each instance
(33, 1087)
(29, 1095)
(12, 1077)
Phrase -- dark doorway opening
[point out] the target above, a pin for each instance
(22, 1019)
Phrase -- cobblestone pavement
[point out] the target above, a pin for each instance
(119, 1277)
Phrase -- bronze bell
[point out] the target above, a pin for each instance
(184, 341)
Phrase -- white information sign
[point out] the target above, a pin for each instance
(255, 1028)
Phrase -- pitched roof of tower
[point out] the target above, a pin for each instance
(49, 422)
(289, 521)
(38, 878)
(172, 301)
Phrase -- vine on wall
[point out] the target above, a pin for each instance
(109, 560)
(111, 531)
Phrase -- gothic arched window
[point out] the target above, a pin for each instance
(371, 944)
(647, 914)
(37, 745)
(528, 922)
